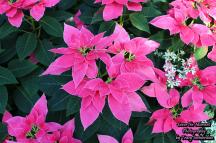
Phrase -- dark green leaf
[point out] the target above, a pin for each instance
(143, 132)
(107, 27)
(164, 138)
(52, 26)
(205, 62)
(66, 4)
(23, 100)
(61, 15)
(59, 101)
(150, 11)
(87, 14)
(139, 21)
(8, 48)
(6, 29)
(21, 68)
(51, 85)
(6, 77)
(26, 44)
(3, 98)
(97, 18)
(42, 54)
(3, 132)
(111, 125)
(73, 105)
(31, 82)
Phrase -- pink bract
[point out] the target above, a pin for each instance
(114, 8)
(81, 54)
(127, 138)
(122, 97)
(166, 98)
(203, 87)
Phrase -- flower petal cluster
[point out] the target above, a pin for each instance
(34, 129)
(127, 69)
(14, 9)
(127, 138)
(193, 20)
(114, 8)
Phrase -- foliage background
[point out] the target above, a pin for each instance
(21, 84)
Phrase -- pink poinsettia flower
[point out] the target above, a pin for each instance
(166, 98)
(131, 54)
(83, 50)
(203, 36)
(38, 9)
(64, 134)
(114, 8)
(93, 100)
(203, 87)
(165, 120)
(67, 133)
(32, 128)
(13, 11)
(127, 138)
(122, 98)
(187, 6)
(176, 21)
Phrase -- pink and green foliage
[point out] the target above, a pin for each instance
(105, 71)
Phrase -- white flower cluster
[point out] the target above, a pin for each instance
(175, 66)
(170, 70)
(186, 68)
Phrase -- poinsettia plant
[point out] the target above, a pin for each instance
(106, 71)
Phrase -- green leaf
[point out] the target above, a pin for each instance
(1, 50)
(23, 100)
(139, 21)
(73, 105)
(205, 62)
(165, 138)
(51, 85)
(31, 82)
(177, 44)
(90, 132)
(60, 15)
(97, 18)
(111, 125)
(143, 132)
(107, 27)
(8, 48)
(160, 0)
(52, 26)
(160, 139)
(66, 4)
(6, 29)
(59, 101)
(150, 11)
(21, 68)
(3, 98)
(6, 77)
(200, 52)
(3, 132)
(42, 54)
(26, 44)
(87, 14)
